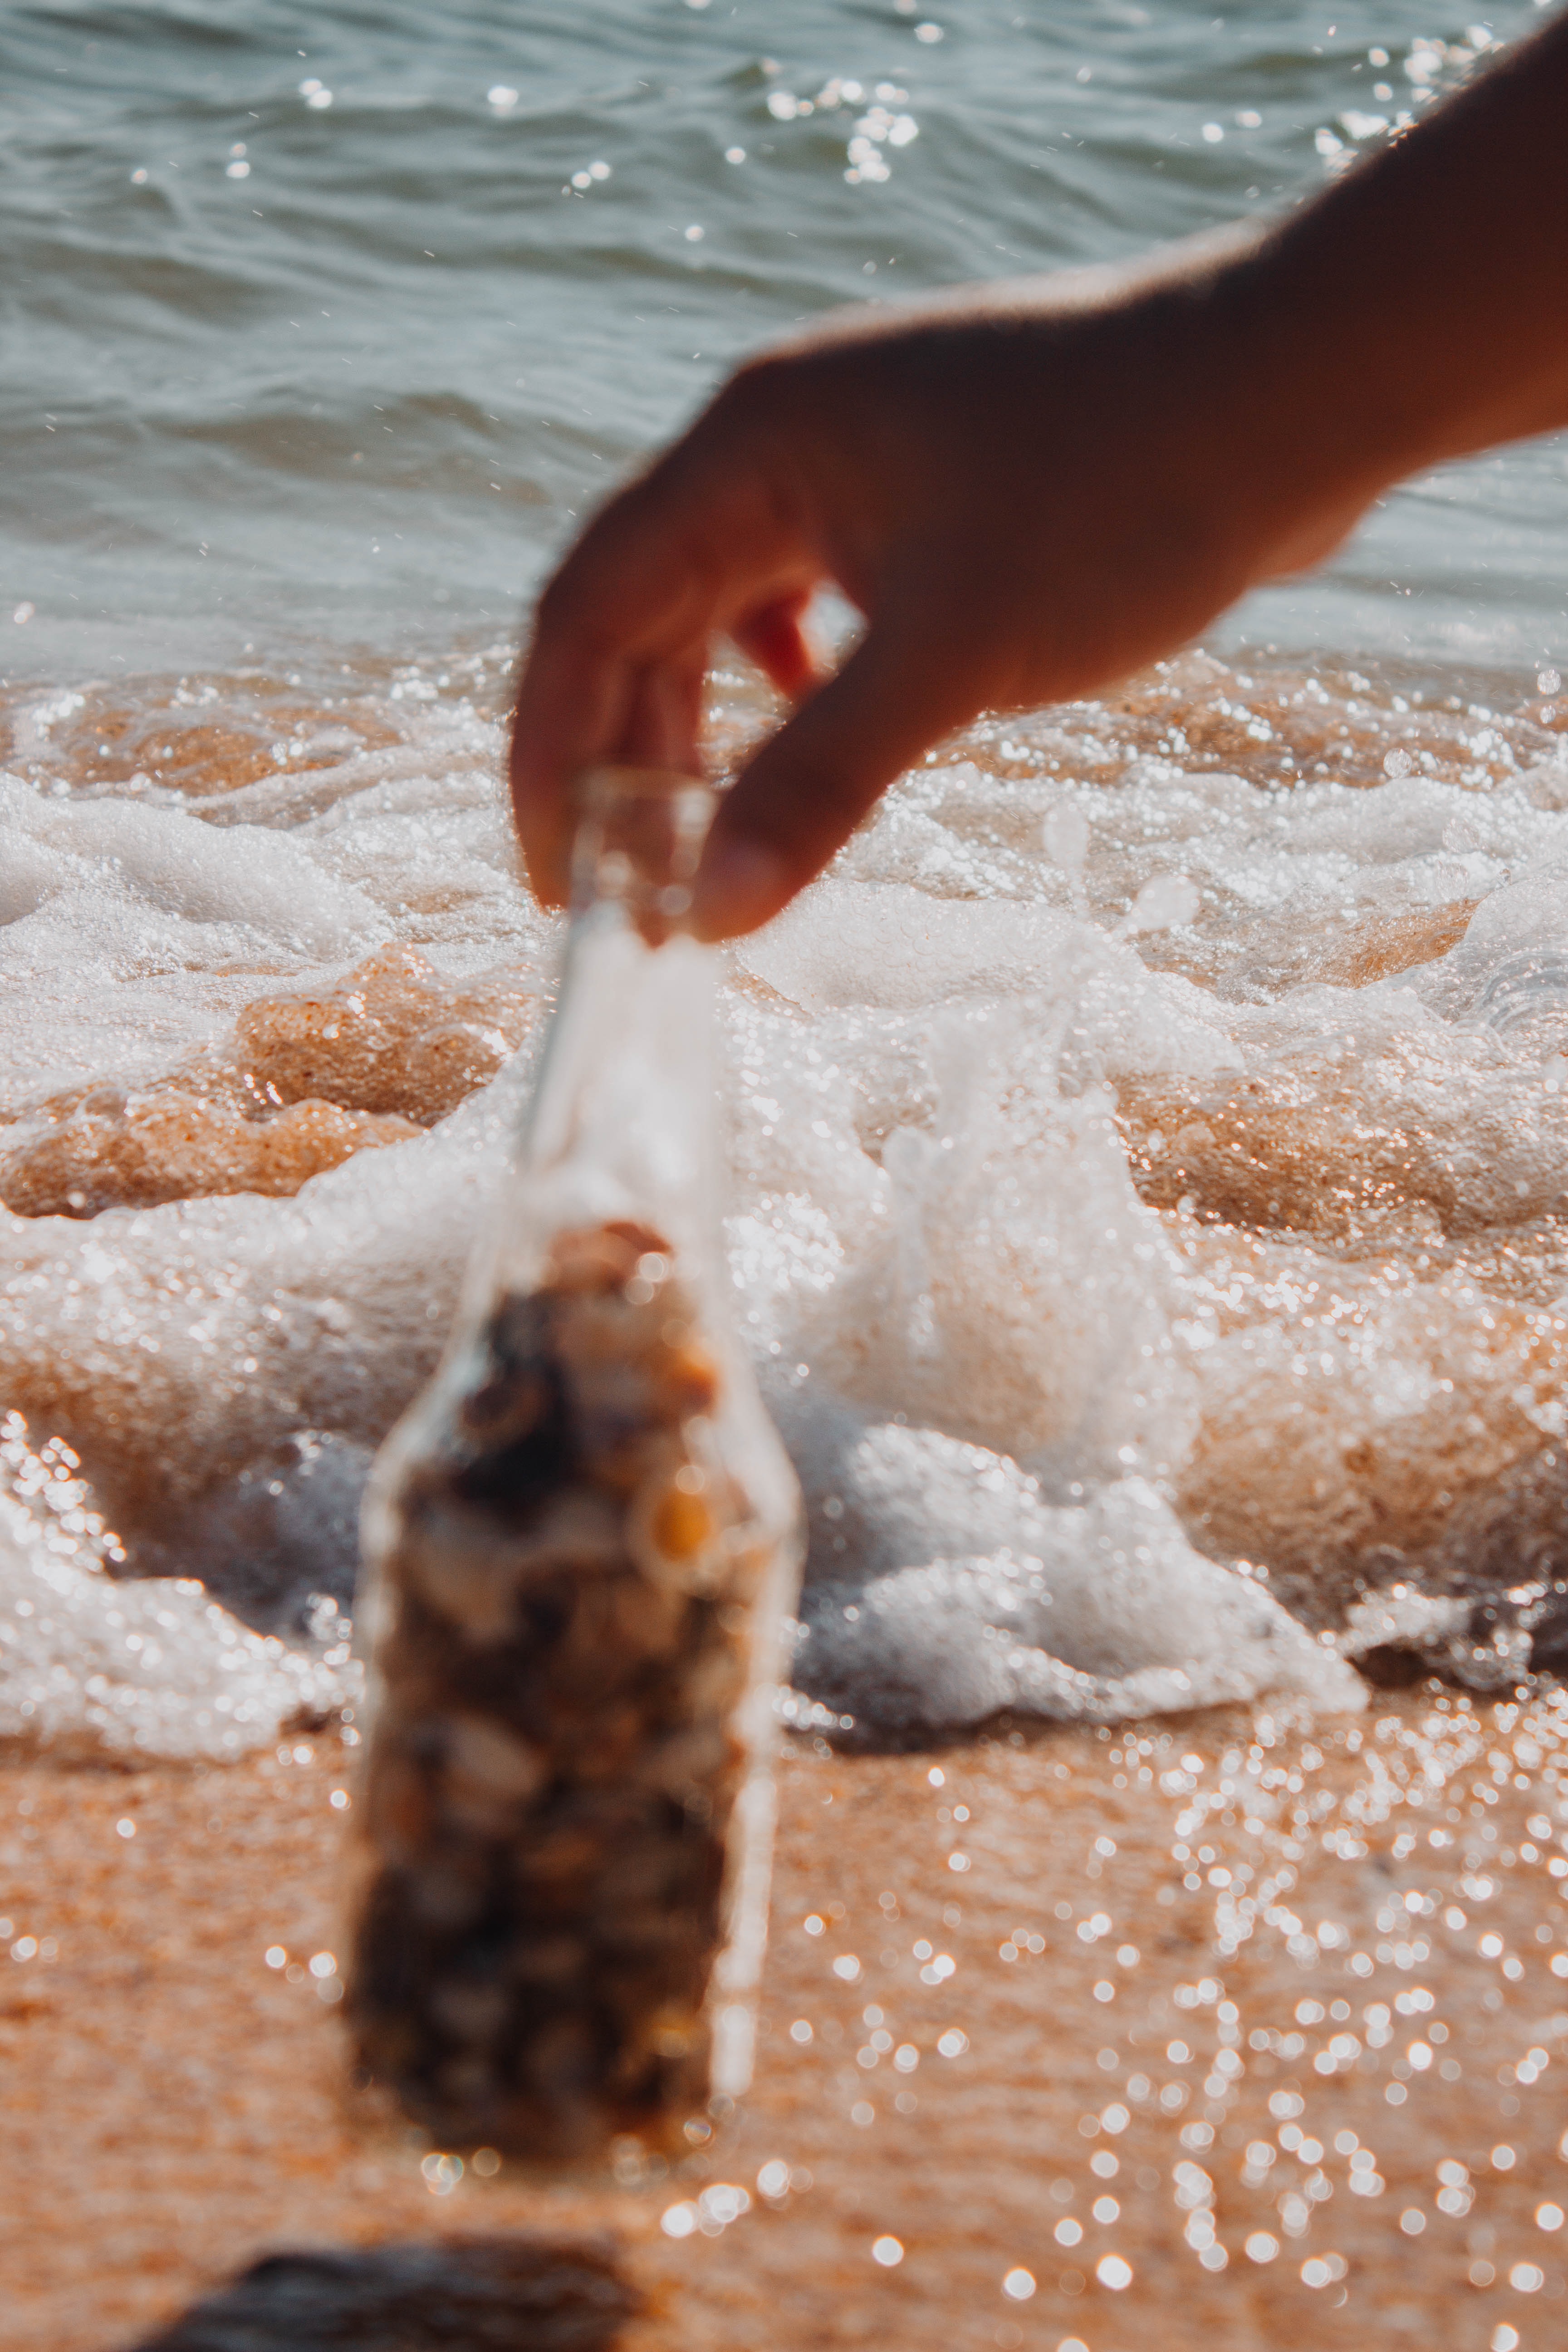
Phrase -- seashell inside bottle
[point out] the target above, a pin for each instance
(581, 1546)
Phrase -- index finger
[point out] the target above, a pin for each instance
(700, 540)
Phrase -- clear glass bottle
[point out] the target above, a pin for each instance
(581, 1544)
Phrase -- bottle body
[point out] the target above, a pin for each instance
(581, 1547)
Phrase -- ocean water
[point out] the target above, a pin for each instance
(1150, 1141)
(324, 323)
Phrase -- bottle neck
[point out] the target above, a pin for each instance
(623, 1122)
(640, 838)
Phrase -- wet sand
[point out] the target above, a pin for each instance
(176, 2106)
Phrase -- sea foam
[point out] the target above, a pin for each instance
(1147, 1177)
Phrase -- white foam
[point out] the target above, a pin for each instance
(1094, 1612)
(144, 882)
(1038, 1404)
(153, 1666)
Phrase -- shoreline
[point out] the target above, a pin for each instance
(177, 2107)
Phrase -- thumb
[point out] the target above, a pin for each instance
(905, 686)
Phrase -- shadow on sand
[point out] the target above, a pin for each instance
(474, 2295)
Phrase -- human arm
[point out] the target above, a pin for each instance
(1030, 488)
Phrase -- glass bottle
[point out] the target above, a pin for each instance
(581, 1544)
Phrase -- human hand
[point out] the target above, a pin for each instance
(1028, 491)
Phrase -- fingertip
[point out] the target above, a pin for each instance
(740, 884)
(549, 890)
(537, 824)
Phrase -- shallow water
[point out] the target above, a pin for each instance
(1149, 1152)
(1148, 1142)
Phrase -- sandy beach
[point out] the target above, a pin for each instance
(1224, 1974)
